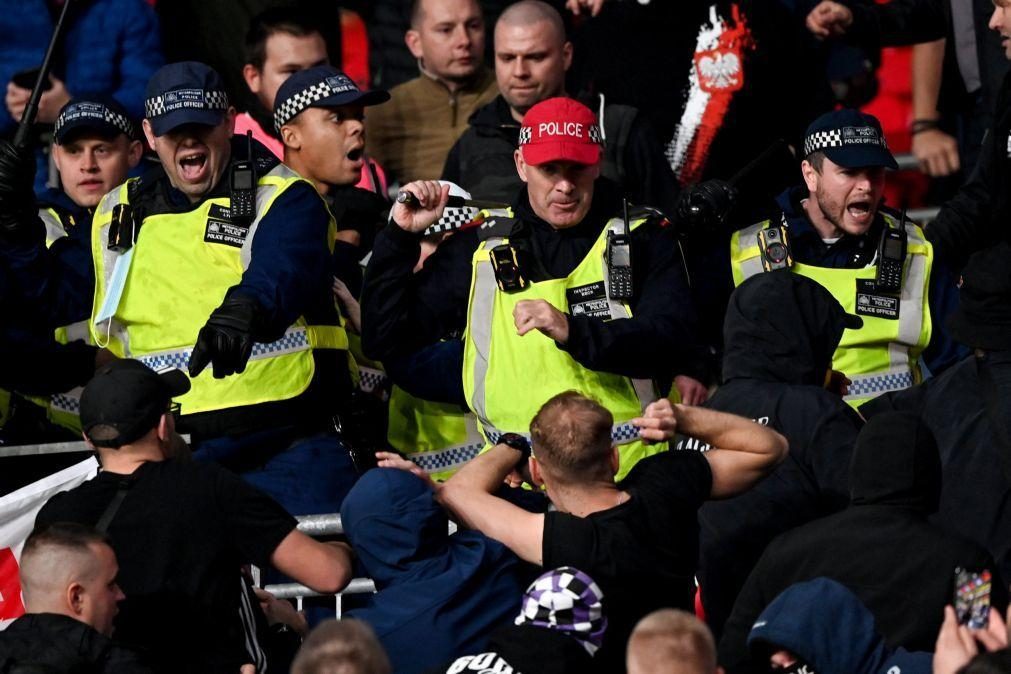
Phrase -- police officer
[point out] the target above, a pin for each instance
(877, 266)
(557, 313)
(96, 145)
(219, 261)
(319, 116)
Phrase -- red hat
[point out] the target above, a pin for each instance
(560, 129)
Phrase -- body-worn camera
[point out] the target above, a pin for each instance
(774, 248)
(122, 228)
(507, 268)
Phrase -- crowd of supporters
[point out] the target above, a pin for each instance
(616, 334)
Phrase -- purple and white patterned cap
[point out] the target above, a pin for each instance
(567, 600)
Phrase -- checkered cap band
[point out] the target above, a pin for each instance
(593, 132)
(567, 600)
(97, 112)
(185, 99)
(301, 100)
(820, 140)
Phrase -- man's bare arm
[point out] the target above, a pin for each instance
(468, 496)
(743, 452)
(325, 567)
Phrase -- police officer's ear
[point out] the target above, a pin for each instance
(615, 459)
(811, 175)
(521, 166)
(291, 136)
(134, 153)
(148, 132)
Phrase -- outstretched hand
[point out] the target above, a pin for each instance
(394, 460)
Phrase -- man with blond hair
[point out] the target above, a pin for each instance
(669, 641)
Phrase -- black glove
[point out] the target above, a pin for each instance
(226, 340)
(706, 205)
(18, 212)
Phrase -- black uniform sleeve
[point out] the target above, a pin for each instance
(256, 522)
(662, 336)
(403, 311)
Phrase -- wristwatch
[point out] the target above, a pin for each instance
(517, 442)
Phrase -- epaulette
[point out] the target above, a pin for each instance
(653, 216)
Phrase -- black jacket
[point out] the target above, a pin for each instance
(48, 642)
(403, 311)
(881, 547)
(780, 332)
(976, 498)
(977, 216)
(481, 161)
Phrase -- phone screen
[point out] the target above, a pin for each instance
(972, 598)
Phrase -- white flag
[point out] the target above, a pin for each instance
(17, 517)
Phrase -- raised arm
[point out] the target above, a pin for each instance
(743, 451)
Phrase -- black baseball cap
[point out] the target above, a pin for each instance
(983, 317)
(850, 139)
(320, 87)
(98, 114)
(188, 92)
(125, 399)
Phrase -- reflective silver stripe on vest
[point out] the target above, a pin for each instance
(69, 402)
(371, 380)
(446, 459)
(620, 434)
(870, 385)
(264, 195)
(644, 389)
(293, 341)
(752, 266)
(78, 331)
(480, 328)
(54, 228)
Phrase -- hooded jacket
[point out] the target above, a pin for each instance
(825, 624)
(780, 332)
(437, 595)
(882, 546)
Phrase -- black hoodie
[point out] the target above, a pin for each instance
(780, 332)
(881, 547)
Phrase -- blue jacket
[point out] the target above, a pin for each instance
(111, 47)
(853, 251)
(439, 596)
(825, 624)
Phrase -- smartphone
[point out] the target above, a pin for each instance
(972, 598)
(26, 79)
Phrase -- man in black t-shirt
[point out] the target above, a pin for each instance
(637, 538)
(181, 530)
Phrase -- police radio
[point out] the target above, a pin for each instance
(243, 185)
(891, 255)
(507, 268)
(774, 248)
(619, 260)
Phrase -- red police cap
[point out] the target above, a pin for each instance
(560, 129)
